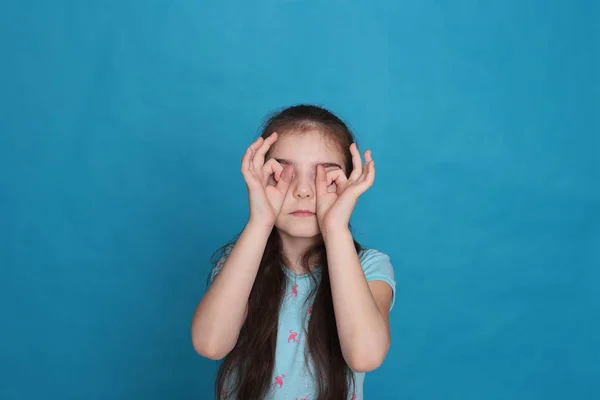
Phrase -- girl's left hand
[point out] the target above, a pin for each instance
(335, 204)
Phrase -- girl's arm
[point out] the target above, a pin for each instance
(222, 311)
(361, 308)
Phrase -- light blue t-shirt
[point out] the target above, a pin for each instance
(291, 379)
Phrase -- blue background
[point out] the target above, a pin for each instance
(122, 125)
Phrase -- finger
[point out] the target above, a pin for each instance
(271, 168)
(259, 157)
(285, 178)
(368, 159)
(367, 182)
(247, 167)
(356, 163)
(247, 160)
(254, 146)
(249, 154)
(368, 156)
(257, 143)
(336, 176)
(321, 181)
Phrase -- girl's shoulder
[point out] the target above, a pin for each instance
(369, 255)
(378, 267)
(375, 262)
(221, 257)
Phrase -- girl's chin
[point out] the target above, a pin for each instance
(300, 232)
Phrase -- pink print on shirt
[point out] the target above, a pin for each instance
(304, 398)
(293, 337)
(353, 396)
(293, 293)
(310, 309)
(278, 381)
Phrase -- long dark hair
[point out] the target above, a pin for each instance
(246, 372)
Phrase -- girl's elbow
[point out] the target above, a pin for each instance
(209, 348)
(367, 359)
(211, 352)
(365, 363)
(207, 351)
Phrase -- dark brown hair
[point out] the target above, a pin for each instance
(246, 372)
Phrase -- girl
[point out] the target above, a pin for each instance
(296, 307)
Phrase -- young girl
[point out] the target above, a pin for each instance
(296, 307)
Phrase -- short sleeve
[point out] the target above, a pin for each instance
(377, 267)
(220, 262)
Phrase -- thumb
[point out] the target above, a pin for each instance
(286, 177)
(321, 181)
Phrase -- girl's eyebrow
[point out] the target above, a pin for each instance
(330, 164)
(324, 164)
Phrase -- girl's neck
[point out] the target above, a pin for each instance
(295, 248)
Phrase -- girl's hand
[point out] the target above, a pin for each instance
(267, 182)
(336, 203)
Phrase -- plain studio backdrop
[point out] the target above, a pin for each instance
(122, 126)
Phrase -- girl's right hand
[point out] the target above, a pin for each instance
(267, 182)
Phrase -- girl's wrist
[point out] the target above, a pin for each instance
(335, 231)
(259, 226)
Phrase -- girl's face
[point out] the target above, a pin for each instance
(304, 152)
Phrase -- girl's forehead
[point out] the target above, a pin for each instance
(306, 147)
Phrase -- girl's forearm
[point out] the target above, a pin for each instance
(362, 329)
(221, 313)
